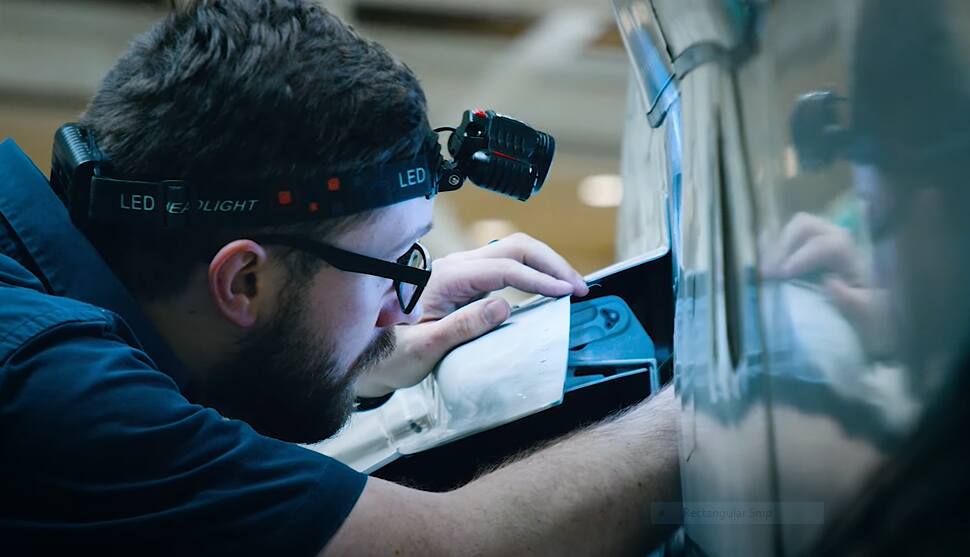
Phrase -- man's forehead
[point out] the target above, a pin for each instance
(394, 224)
(407, 218)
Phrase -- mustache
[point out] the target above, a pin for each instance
(382, 347)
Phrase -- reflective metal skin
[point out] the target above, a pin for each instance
(812, 156)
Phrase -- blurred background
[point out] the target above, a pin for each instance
(556, 64)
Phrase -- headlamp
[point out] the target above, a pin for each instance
(497, 153)
(493, 151)
(822, 133)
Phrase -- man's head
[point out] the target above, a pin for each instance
(292, 373)
(265, 92)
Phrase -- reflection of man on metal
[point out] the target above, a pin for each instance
(910, 144)
(155, 423)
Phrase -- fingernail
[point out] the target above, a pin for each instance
(581, 288)
(496, 312)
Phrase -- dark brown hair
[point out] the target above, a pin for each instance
(244, 91)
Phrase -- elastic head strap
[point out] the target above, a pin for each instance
(175, 204)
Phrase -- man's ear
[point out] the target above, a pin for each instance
(236, 279)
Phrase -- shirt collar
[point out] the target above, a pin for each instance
(70, 265)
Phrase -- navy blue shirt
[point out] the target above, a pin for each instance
(99, 448)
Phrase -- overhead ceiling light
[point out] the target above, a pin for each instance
(486, 230)
(601, 190)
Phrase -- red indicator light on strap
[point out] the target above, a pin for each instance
(480, 113)
(284, 197)
(333, 184)
(314, 207)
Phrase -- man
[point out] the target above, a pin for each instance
(157, 422)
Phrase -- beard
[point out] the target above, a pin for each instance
(286, 383)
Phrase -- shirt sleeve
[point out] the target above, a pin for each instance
(99, 449)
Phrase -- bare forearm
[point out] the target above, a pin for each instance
(588, 494)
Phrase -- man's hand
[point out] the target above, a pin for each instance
(813, 247)
(454, 311)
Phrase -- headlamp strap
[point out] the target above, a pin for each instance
(177, 204)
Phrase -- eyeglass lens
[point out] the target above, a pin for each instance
(414, 258)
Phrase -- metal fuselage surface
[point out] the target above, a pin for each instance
(794, 333)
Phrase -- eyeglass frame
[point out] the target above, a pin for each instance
(364, 264)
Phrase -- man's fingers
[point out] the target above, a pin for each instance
(801, 228)
(489, 275)
(467, 323)
(824, 253)
(532, 253)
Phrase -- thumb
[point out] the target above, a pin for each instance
(469, 322)
(855, 303)
(867, 310)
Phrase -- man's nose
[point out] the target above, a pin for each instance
(392, 314)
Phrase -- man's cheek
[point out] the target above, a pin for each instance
(418, 312)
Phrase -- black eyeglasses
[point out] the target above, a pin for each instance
(410, 272)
